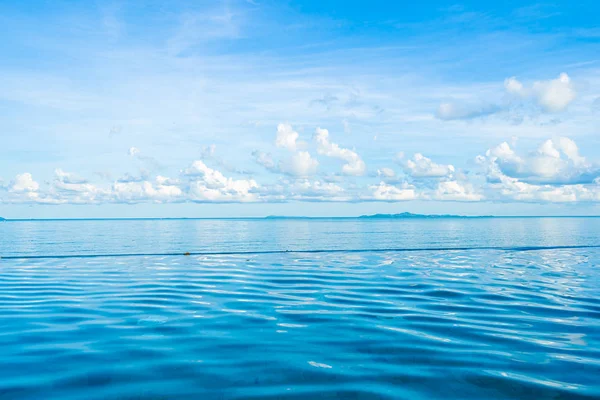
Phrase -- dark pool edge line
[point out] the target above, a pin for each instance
(309, 251)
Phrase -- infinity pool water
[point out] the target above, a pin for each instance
(375, 317)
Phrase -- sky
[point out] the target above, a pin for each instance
(317, 108)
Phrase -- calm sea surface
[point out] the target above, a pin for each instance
(266, 309)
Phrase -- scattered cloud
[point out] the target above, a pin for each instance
(456, 191)
(422, 167)
(354, 164)
(556, 161)
(24, 183)
(553, 95)
(299, 164)
(286, 137)
(144, 191)
(554, 172)
(208, 184)
(387, 192)
(550, 96)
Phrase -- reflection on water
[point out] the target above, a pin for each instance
(179, 236)
(428, 324)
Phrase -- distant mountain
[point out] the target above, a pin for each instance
(404, 215)
(407, 215)
(2, 219)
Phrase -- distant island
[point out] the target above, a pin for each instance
(2, 219)
(407, 215)
(404, 215)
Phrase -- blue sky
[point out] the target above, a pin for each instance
(249, 108)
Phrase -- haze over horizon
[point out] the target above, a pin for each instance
(255, 108)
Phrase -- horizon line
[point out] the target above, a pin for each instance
(275, 217)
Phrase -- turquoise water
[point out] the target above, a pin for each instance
(491, 308)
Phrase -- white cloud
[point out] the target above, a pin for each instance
(386, 172)
(513, 86)
(133, 151)
(422, 167)
(385, 192)
(552, 95)
(556, 161)
(24, 183)
(286, 137)
(511, 189)
(456, 191)
(69, 187)
(354, 164)
(554, 172)
(161, 191)
(211, 185)
(299, 164)
(555, 95)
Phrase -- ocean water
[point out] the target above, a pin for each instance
(315, 309)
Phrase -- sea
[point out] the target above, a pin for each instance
(346, 308)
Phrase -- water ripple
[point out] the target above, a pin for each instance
(385, 324)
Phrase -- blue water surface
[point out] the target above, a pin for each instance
(334, 309)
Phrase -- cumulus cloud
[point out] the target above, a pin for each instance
(553, 95)
(514, 86)
(208, 184)
(422, 167)
(512, 189)
(386, 192)
(554, 171)
(299, 164)
(133, 151)
(456, 191)
(161, 191)
(354, 164)
(69, 187)
(24, 183)
(286, 137)
(556, 161)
